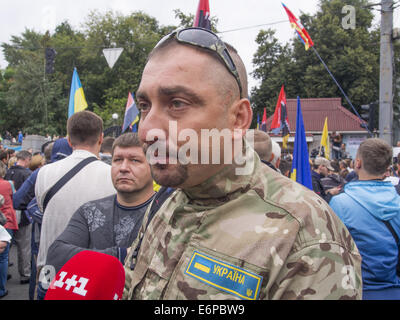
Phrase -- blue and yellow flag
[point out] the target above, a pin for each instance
(301, 171)
(77, 101)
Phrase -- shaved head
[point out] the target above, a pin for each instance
(227, 85)
(263, 145)
(185, 87)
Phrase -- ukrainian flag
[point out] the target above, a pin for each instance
(301, 171)
(77, 101)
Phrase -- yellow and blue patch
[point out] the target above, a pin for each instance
(218, 274)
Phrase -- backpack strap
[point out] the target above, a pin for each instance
(396, 237)
(68, 176)
(158, 201)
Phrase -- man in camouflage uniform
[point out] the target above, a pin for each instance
(224, 235)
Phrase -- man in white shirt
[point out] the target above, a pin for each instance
(85, 135)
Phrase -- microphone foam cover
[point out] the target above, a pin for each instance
(89, 275)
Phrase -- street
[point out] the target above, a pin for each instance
(16, 291)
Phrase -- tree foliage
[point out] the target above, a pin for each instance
(38, 103)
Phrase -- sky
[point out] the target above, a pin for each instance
(42, 15)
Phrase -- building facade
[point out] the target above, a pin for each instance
(315, 111)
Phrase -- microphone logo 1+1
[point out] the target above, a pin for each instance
(72, 282)
(47, 274)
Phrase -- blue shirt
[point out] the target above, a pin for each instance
(362, 208)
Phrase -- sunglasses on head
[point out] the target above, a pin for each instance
(206, 39)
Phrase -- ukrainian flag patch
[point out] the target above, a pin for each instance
(218, 274)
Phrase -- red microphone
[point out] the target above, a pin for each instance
(88, 275)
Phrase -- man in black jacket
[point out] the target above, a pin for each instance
(321, 167)
(333, 183)
(18, 174)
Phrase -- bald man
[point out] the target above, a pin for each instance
(264, 147)
(232, 229)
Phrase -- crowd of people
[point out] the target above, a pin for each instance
(8, 139)
(364, 193)
(102, 201)
(194, 230)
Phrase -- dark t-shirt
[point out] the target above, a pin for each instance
(103, 226)
(127, 222)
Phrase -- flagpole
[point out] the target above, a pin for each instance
(338, 85)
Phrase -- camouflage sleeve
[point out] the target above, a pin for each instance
(319, 272)
(128, 271)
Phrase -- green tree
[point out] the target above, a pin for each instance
(272, 61)
(352, 55)
(6, 80)
(32, 100)
(107, 89)
(38, 103)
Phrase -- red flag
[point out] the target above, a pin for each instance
(280, 123)
(202, 19)
(264, 121)
(301, 31)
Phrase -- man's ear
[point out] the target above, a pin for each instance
(69, 141)
(242, 115)
(358, 163)
(101, 138)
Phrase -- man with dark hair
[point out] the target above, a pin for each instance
(4, 157)
(48, 149)
(18, 173)
(11, 153)
(121, 215)
(85, 129)
(370, 208)
(285, 167)
(336, 139)
(106, 148)
(92, 181)
(233, 229)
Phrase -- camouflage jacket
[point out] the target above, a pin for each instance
(260, 236)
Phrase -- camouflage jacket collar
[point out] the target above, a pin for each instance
(228, 184)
